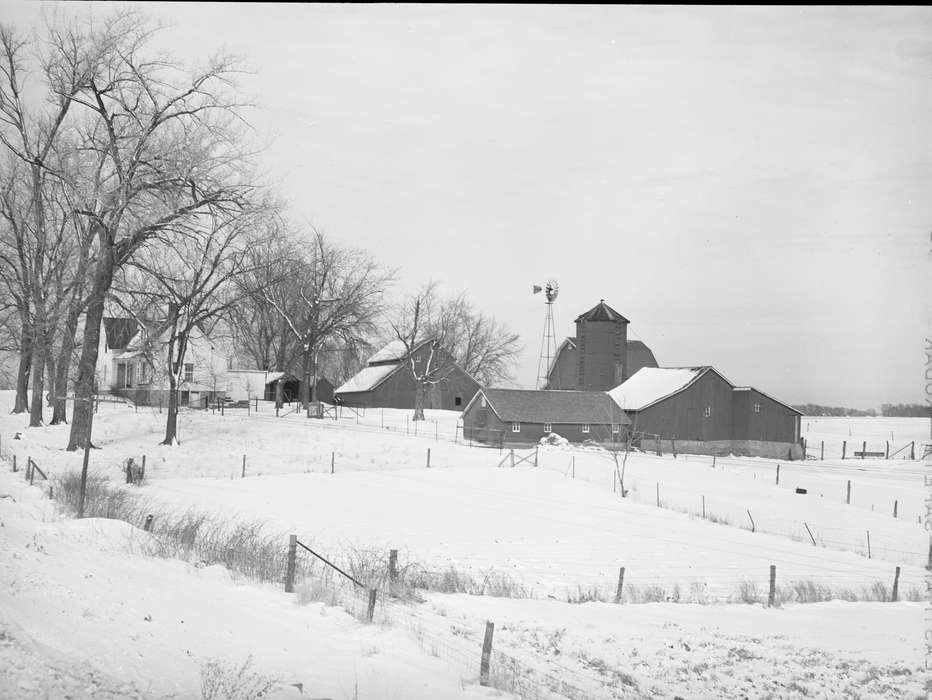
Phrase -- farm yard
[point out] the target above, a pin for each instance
(545, 543)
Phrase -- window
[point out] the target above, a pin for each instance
(483, 401)
(585, 428)
(230, 362)
(188, 372)
(757, 408)
(129, 375)
(516, 427)
(143, 373)
(616, 428)
(457, 400)
(708, 412)
(548, 428)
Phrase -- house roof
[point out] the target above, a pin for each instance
(602, 312)
(652, 384)
(119, 331)
(546, 406)
(785, 405)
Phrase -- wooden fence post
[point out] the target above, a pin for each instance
(658, 494)
(773, 586)
(392, 564)
(50, 493)
(428, 458)
(753, 526)
(778, 475)
(822, 451)
(844, 446)
(868, 544)
(486, 658)
(621, 582)
(333, 459)
(512, 457)
(370, 610)
(864, 449)
(14, 462)
(894, 508)
(888, 450)
(703, 505)
(896, 586)
(244, 467)
(713, 461)
(143, 475)
(912, 450)
(848, 495)
(536, 452)
(673, 446)
(292, 556)
(810, 534)
(573, 462)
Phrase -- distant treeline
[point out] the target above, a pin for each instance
(900, 410)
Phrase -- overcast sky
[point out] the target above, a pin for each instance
(752, 188)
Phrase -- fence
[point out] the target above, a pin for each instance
(859, 449)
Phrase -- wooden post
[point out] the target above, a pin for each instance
(673, 446)
(14, 462)
(614, 479)
(822, 451)
(912, 450)
(292, 556)
(844, 445)
(658, 494)
(512, 457)
(713, 461)
(621, 582)
(370, 611)
(896, 586)
(778, 475)
(868, 544)
(536, 453)
(50, 493)
(773, 586)
(428, 458)
(848, 495)
(333, 460)
(436, 432)
(147, 525)
(143, 475)
(864, 449)
(486, 658)
(888, 450)
(244, 467)
(753, 526)
(573, 463)
(703, 505)
(810, 534)
(392, 564)
(894, 508)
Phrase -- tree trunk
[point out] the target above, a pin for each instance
(60, 383)
(39, 353)
(85, 385)
(171, 421)
(306, 382)
(21, 404)
(419, 394)
(279, 388)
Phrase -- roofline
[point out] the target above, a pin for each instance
(705, 369)
(551, 391)
(752, 388)
(487, 400)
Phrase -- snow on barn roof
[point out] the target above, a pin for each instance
(652, 384)
(393, 352)
(367, 379)
(549, 406)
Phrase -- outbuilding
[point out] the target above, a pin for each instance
(503, 416)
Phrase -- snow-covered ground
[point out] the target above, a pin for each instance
(83, 590)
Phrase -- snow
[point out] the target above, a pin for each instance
(79, 593)
(366, 379)
(650, 384)
(394, 350)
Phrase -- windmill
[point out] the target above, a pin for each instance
(548, 345)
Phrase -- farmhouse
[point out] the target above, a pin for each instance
(706, 414)
(501, 416)
(600, 355)
(387, 380)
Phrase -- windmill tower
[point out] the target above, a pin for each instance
(548, 345)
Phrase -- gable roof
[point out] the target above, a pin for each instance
(650, 385)
(368, 378)
(552, 406)
(785, 405)
(602, 312)
(119, 331)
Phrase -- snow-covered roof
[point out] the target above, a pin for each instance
(651, 384)
(393, 352)
(367, 379)
(549, 406)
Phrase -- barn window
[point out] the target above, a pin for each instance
(457, 400)
(757, 408)
(483, 401)
(585, 428)
(516, 427)
(708, 412)
(548, 428)
(616, 428)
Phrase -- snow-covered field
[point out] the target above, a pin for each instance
(557, 530)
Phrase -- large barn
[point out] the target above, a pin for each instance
(704, 413)
(509, 416)
(387, 381)
(600, 355)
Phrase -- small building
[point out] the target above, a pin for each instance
(503, 416)
(387, 380)
(248, 384)
(704, 413)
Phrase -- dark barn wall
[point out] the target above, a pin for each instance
(774, 423)
(639, 356)
(602, 347)
(682, 415)
(565, 374)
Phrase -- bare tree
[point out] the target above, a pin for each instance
(335, 297)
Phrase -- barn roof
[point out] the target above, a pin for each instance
(601, 312)
(547, 406)
(392, 352)
(119, 331)
(368, 378)
(652, 384)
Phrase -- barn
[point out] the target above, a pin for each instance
(387, 381)
(704, 413)
(523, 416)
